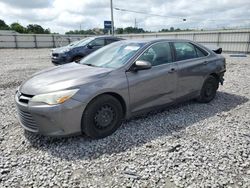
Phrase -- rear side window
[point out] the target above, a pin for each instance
(184, 50)
(158, 54)
(200, 52)
(109, 41)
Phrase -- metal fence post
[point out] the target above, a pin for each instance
(248, 45)
(15, 40)
(35, 41)
(53, 40)
(193, 36)
(218, 39)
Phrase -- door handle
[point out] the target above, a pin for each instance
(205, 63)
(172, 70)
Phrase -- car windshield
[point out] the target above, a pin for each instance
(84, 41)
(112, 56)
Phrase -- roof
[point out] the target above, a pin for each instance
(106, 36)
(152, 40)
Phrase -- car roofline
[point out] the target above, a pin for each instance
(147, 41)
(104, 36)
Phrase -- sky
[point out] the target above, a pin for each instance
(64, 15)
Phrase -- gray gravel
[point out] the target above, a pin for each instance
(187, 145)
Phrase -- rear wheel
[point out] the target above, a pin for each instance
(208, 90)
(102, 117)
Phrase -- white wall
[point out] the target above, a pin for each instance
(230, 41)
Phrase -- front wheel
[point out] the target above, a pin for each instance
(102, 117)
(77, 59)
(208, 90)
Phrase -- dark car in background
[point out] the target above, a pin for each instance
(79, 49)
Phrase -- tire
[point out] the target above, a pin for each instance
(102, 117)
(77, 58)
(208, 90)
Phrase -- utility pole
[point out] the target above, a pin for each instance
(135, 23)
(112, 18)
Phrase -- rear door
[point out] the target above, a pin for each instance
(192, 67)
(155, 86)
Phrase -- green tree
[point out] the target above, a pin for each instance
(47, 31)
(119, 30)
(164, 30)
(133, 30)
(18, 27)
(81, 32)
(3, 25)
(37, 29)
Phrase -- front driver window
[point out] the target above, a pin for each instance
(158, 54)
(97, 42)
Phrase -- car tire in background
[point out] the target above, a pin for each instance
(208, 90)
(102, 117)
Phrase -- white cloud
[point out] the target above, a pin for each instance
(64, 15)
(28, 4)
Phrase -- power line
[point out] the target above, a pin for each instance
(183, 19)
(140, 12)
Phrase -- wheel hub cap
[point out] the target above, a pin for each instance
(104, 116)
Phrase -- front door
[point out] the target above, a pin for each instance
(155, 86)
(95, 45)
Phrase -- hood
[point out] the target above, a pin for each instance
(62, 77)
(62, 49)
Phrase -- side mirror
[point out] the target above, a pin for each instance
(89, 46)
(141, 65)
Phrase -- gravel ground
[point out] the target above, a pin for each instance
(187, 145)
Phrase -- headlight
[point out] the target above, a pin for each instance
(55, 97)
(66, 50)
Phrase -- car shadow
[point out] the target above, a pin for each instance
(139, 130)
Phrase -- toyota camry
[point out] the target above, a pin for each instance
(116, 82)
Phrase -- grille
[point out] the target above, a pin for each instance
(55, 54)
(24, 98)
(27, 120)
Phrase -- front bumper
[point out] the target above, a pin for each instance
(51, 120)
(60, 59)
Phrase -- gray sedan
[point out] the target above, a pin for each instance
(115, 82)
